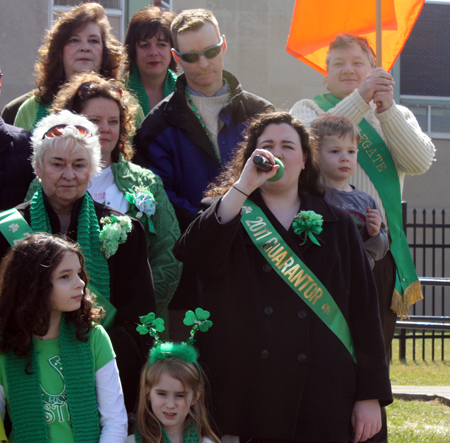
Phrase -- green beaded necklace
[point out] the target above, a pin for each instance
(195, 111)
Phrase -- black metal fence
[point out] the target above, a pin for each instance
(428, 235)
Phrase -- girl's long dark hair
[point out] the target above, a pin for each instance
(25, 288)
(309, 179)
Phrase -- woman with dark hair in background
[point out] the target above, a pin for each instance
(150, 65)
(80, 40)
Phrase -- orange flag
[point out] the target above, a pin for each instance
(315, 24)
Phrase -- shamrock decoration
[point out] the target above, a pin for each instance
(306, 224)
(198, 321)
(151, 325)
(144, 205)
(184, 350)
(114, 232)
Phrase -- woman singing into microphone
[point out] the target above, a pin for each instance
(297, 352)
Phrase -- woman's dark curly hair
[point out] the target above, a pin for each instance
(144, 25)
(88, 85)
(309, 179)
(50, 67)
(25, 288)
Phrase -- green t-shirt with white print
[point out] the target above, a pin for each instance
(53, 389)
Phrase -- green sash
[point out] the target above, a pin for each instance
(376, 160)
(295, 273)
(15, 228)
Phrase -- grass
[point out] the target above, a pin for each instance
(419, 421)
(421, 372)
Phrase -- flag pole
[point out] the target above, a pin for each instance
(379, 31)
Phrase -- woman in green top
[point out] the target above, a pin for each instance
(121, 184)
(80, 40)
(150, 71)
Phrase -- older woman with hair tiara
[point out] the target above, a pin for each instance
(66, 154)
(286, 279)
(121, 184)
(80, 40)
(150, 66)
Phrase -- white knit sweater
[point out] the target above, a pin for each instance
(209, 109)
(411, 149)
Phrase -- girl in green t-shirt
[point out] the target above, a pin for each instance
(57, 367)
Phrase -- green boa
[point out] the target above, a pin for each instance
(135, 85)
(25, 393)
(376, 160)
(88, 232)
(189, 436)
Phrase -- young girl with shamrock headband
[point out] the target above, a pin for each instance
(171, 405)
(58, 375)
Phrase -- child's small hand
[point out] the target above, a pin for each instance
(373, 221)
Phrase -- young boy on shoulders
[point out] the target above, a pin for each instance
(338, 139)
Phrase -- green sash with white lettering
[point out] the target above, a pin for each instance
(295, 273)
(376, 160)
(15, 228)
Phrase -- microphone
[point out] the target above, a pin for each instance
(263, 164)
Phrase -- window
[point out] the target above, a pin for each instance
(432, 113)
(421, 114)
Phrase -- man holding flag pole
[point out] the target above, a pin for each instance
(392, 145)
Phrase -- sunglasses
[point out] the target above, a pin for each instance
(55, 131)
(193, 56)
(84, 88)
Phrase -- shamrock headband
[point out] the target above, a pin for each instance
(184, 351)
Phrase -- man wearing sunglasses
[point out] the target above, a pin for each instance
(189, 135)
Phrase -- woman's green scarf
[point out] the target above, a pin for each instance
(190, 436)
(25, 393)
(135, 85)
(88, 232)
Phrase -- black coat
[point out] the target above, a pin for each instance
(16, 172)
(276, 370)
(131, 291)
(10, 110)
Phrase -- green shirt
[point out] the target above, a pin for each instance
(26, 115)
(52, 381)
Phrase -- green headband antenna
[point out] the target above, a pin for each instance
(199, 320)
